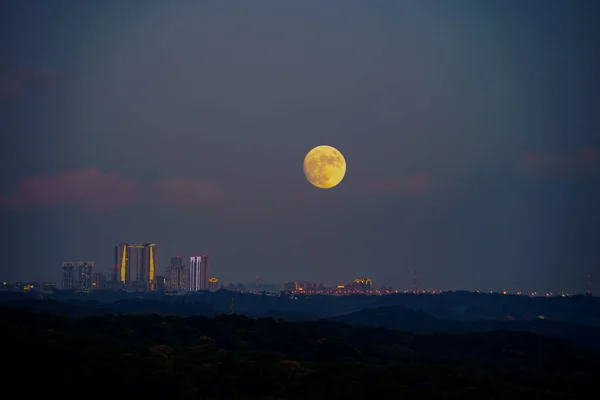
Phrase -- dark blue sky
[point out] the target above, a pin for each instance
(471, 131)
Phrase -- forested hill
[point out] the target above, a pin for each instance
(234, 357)
(398, 317)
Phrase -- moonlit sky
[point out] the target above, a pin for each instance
(471, 130)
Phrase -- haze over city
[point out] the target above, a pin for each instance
(470, 131)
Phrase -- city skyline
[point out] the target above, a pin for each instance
(195, 276)
(98, 281)
(585, 287)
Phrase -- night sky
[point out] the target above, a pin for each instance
(471, 130)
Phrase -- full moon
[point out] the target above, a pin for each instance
(324, 167)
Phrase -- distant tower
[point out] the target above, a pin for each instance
(589, 285)
(85, 271)
(194, 279)
(204, 271)
(415, 282)
(178, 274)
(122, 264)
(98, 281)
(135, 263)
(146, 265)
(68, 275)
(232, 306)
(198, 275)
(257, 283)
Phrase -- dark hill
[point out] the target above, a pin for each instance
(88, 308)
(398, 317)
(235, 357)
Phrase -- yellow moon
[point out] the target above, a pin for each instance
(324, 167)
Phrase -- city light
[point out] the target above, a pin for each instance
(135, 270)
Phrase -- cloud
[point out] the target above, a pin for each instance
(415, 184)
(575, 165)
(18, 81)
(188, 192)
(90, 189)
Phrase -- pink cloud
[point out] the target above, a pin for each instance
(90, 189)
(573, 165)
(188, 192)
(414, 184)
(17, 81)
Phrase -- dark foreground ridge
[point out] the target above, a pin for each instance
(235, 357)
(398, 317)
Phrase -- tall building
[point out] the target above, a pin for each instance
(146, 265)
(177, 274)
(195, 262)
(98, 281)
(204, 271)
(135, 263)
(68, 275)
(84, 274)
(122, 265)
(199, 272)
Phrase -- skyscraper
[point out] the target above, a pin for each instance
(195, 272)
(204, 271)
(68, 275)
(84, 274)
(199, 272)
(98, 281)
(140, 256)
(122, 266)
(146, 268)
(178, 274)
